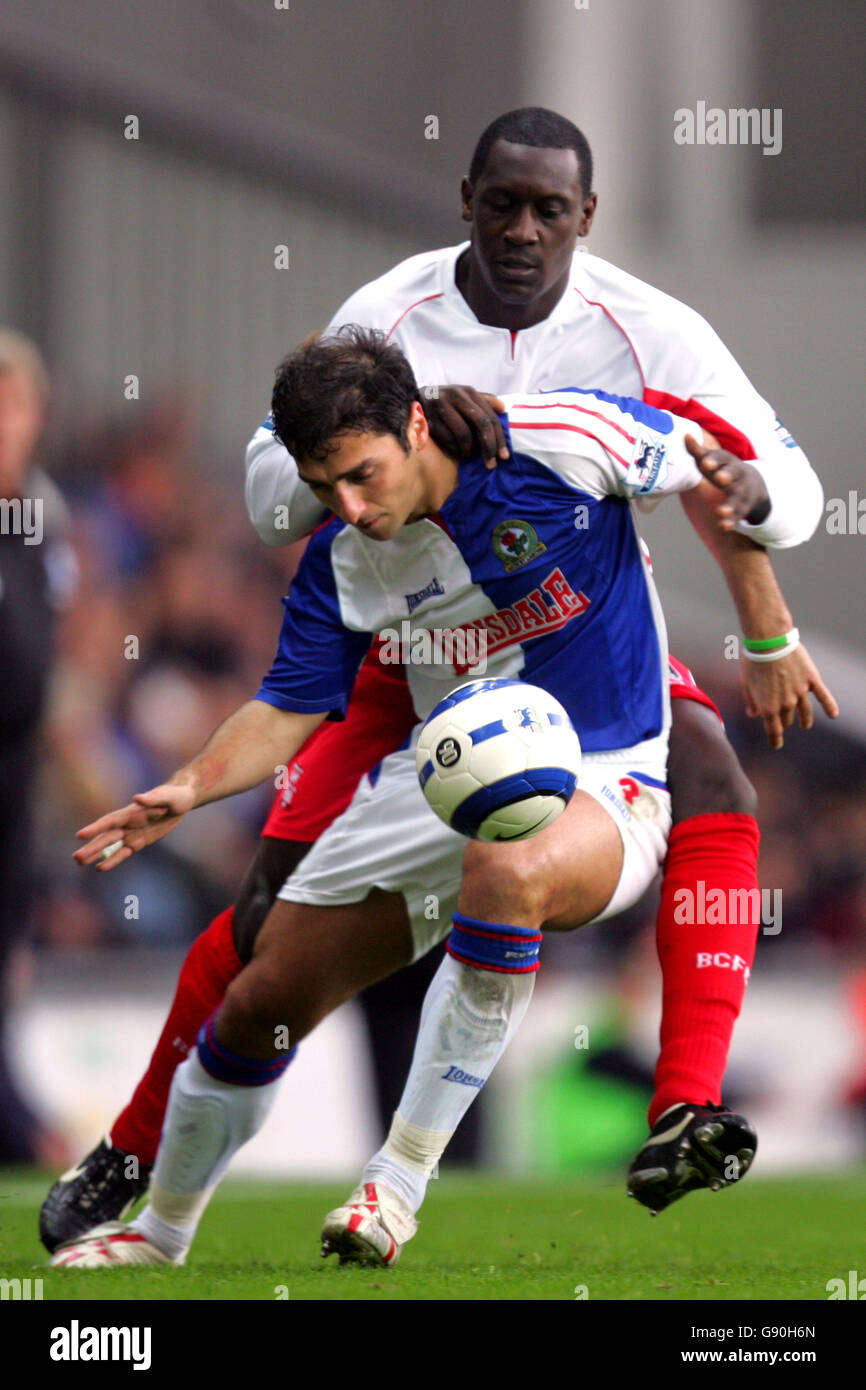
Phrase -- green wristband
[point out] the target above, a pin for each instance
(765, 644)
(771, 648)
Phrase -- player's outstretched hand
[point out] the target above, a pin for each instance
(745, 493)
(778, 691)
(464, 422)
(117, 836)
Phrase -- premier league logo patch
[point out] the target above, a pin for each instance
(650, 466)
(516, 543)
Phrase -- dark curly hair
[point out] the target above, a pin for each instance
(350, 381)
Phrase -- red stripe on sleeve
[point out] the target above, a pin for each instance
(584, 410)
(727, 434)
(575, 429)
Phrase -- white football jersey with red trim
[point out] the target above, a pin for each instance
(609, 331)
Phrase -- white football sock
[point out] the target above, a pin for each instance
(206, 1122)
(468, 1020)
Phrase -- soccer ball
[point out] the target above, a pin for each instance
(498, 760)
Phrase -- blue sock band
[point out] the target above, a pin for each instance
(494, 946)
(223, 1064)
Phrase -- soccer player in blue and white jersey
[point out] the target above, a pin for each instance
(517, 309)
(577, 614)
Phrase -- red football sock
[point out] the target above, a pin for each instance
(706, 937)
(211, 965)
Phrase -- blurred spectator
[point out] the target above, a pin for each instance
(36, 575)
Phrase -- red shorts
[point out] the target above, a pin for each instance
(322, 777)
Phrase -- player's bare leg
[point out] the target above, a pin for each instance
(704, 772)
(694, 1140)
(307, 961)
(323, 778)
(272, 864)
(115, 1174)
(557, 880)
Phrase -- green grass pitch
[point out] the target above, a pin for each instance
(490, 1238)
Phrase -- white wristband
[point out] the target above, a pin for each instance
(792, 642)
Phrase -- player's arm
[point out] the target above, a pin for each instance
(312, 676)
(729, 493)
(705, 383)
(248, 747)
(627, 448)
(463, 422)
(607, 445)
(776, 691)
(702, 381)
(281, 507)
(776, 502)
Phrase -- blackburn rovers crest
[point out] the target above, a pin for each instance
(516, 543)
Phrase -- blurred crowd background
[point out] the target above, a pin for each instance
(155, 255)
(173, 580)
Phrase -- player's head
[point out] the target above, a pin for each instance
(528, 196)
(346, 405)
(23, 395)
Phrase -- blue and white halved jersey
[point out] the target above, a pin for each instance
(540, 555)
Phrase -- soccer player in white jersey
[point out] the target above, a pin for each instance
(517, 309)
(410, 519)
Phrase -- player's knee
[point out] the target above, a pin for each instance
(515, 889)
(256, 1015)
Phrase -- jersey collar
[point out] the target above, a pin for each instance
(458, 305)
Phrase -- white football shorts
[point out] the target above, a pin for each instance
(389, 838)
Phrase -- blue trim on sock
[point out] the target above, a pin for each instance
(223, 1064)
(494, 945)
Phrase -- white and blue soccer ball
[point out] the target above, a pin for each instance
(498, 760)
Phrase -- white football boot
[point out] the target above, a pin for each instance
(114, 1243)
(371, 1229)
